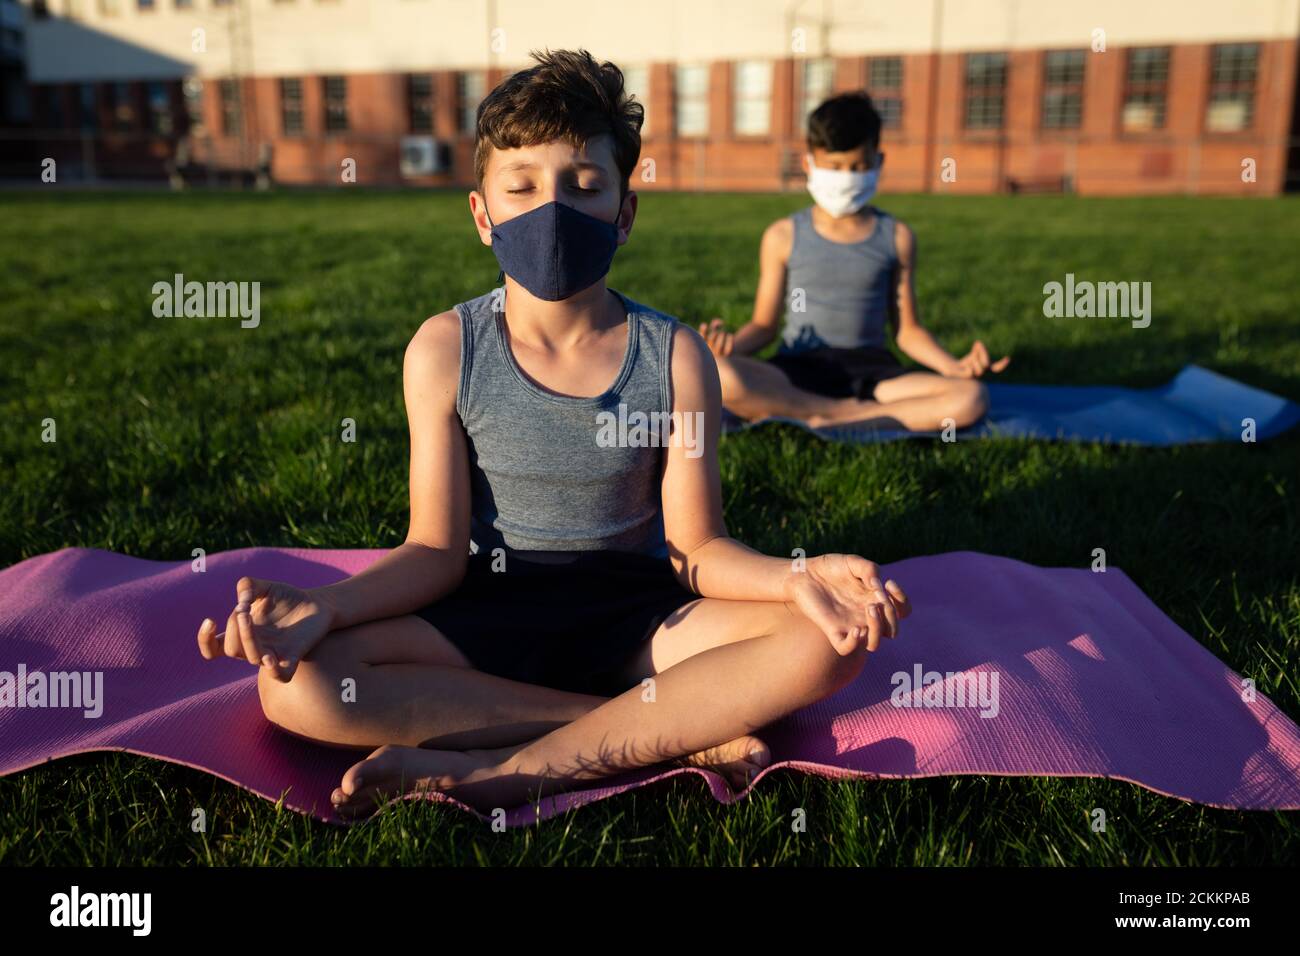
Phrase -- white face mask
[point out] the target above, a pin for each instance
(841, 192)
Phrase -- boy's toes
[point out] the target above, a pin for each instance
(369, 784)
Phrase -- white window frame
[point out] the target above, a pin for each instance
(691, 99)
(751, 103)
(817, 78)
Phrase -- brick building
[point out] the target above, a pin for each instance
(1099, 97)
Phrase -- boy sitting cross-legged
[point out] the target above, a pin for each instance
(842, 266)
(517, 670)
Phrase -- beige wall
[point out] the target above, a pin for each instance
(356, 36)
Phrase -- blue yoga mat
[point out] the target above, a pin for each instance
(1197, 406)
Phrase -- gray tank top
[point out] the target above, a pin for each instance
(541, 476)
(846, 287)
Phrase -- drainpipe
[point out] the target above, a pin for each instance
(932, 106)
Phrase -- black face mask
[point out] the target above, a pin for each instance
(554, 250)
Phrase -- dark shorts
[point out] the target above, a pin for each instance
(564, 619)
(840, 373)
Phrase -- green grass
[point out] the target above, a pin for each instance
(178, 433)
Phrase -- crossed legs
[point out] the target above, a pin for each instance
(720, 670)
(919, 401)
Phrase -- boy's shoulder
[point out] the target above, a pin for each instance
(439, 325)
(778, 238)
(445, 325)
(434, 349)
(904, 238)
(785, 225)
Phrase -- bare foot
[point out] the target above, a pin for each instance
(393, 770)
(484, 780)
(738, 760)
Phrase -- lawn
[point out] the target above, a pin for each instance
(178, 433)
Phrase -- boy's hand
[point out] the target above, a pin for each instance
(976, 362)
(843, 595)
(719, 339)
(274, 625)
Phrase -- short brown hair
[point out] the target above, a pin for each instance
(568, 97)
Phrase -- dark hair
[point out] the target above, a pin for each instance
(568, 97)
(844, 122)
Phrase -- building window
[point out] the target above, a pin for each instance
(230, 111)
(469, 93)
(692, 99)
(419, 102)
(1063, 89)
(121, 109)
(291, 105)
(636, 81)
(87, 107)
(751, 88)
(885, 84)
(336, 104)
(160, 108)
(193, 90)
(1144, 95)
(146, 4)
(818, 80)
(183, 4)
(986, 84)
(1232, 88)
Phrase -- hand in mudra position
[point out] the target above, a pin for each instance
(843, 595)
(274, 625)
(976, 362)
(720, 341)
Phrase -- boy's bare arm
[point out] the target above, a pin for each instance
(709, 561)
(842, 593)
(431, 562)
(913, 339)
(765, 323)
(692, 488)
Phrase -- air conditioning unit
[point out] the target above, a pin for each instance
(424, 156)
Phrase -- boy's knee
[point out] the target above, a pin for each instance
(275, 695)
(813, 654)
(305, 703)
(845, 668)
(970, 401)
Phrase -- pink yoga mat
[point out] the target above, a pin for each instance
(1092, 680)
